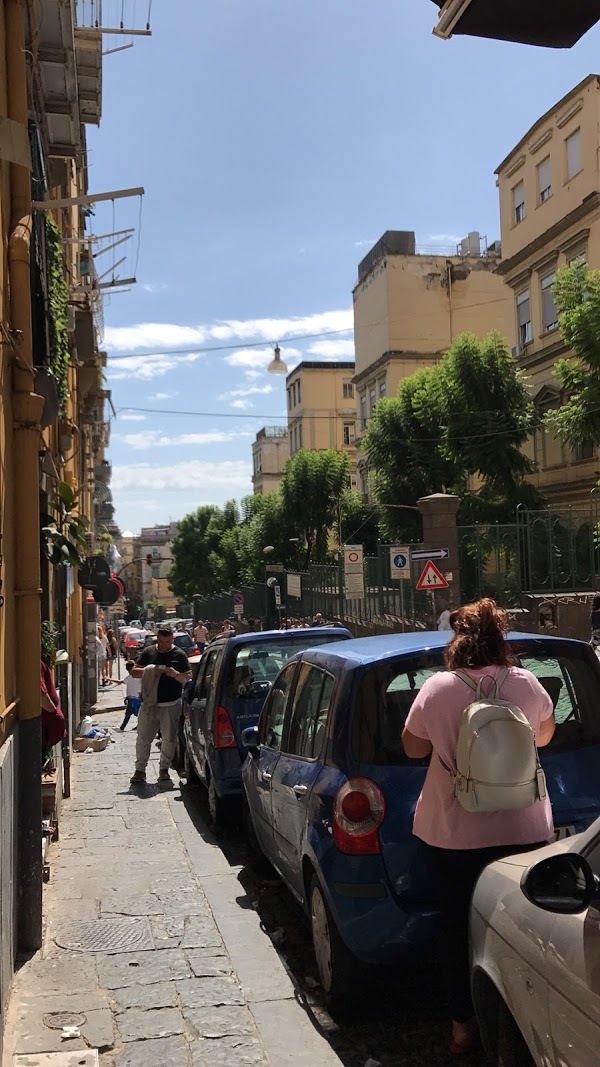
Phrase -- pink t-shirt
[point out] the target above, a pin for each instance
(435, 716)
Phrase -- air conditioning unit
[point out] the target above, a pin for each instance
(516, 351)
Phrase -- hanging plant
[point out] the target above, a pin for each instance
(64, 533)
(58, 303)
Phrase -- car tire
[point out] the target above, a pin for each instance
(257, 861)
(221, 809)
(512, 1050)
(345, 994)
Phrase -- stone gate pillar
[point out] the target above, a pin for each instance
(439, 513)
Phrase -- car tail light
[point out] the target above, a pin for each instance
(224, 735)
(358, 812)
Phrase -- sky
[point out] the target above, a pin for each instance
(276, 143)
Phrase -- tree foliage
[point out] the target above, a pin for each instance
(463, 420)
(311, 495)
(577, 298)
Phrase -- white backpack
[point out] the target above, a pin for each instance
(497, 763)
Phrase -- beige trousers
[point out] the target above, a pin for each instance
(151, 718)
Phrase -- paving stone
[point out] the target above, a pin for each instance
(205, 965)
(158, 995)
(144, 904)
(230, 1020)
(209, 992)
(167, 926)
(31, 1034)
(139, 1025)
(229, 1052)
(200, 932)
(168, 1052)
(142, 968)
(65, 975)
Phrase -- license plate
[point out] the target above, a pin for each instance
(564, 831)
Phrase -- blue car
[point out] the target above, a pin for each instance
(231, 684)
(331, 795)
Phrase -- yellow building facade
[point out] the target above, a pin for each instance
(322, 411)
(409, 305)
(270, 453)
(549, 190)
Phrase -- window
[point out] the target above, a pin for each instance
(578, 257)
(524, 318)
(348, 391)
(543, 177)
(273, 716)
(585, 450)
(300, 435)
(372, 399)
(289, 396)
(382, 387)
(363, 410)
(519, 202)
(549, 312)
(298, 393)
(156, 572)
(205, 675)
(348, 433)
(308, 724)
(552, 450)
(573, 147)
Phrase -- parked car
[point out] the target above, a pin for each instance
(133, 643)
(331, 795)
(536, 954)
(186, 643)
(231, 684)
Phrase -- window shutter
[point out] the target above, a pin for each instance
(523, 309)
(573, 144)
(544, 178)
(548, 306)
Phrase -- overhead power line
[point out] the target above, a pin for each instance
(228, 348)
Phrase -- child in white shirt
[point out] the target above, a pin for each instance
(133, 693)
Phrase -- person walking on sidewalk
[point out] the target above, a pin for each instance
(164, 670)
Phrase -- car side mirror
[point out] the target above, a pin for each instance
(564, 884)
(250, 739)
(188, 691)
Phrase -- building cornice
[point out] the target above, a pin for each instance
(589, 204)
(391, 357)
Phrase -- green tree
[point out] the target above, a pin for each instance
(312, 489)
(198, 566)
(577, 297)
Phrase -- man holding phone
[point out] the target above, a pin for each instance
(164, 670)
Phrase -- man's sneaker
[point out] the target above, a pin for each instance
(164, 776)
(138, 778)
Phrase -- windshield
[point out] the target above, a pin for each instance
(256, 666)
(387, 690)
(183, 641)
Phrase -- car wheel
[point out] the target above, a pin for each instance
(512, 1048)
(338, 968)
(222, 809)
(257, 861)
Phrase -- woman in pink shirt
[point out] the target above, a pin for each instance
(461, 843)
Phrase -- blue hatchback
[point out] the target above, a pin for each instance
(232, 681)
(331, 794)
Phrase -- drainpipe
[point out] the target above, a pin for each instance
(27, 410)
(450, 308)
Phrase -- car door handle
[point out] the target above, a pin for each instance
(300, 790)
(266, 776)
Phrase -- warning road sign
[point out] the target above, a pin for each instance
(431, 578)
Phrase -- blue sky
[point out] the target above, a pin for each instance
(276, 142)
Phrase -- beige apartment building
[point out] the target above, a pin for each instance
(549, 187)
(409, 305)
(270, 453)
(322, 409)
(155, 550)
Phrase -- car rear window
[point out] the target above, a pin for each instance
(387, 690)
(263, 660)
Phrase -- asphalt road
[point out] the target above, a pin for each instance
(406, 1026)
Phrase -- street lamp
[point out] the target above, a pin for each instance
(277, 366)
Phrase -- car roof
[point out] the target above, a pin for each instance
(365, 650)
(277, 635)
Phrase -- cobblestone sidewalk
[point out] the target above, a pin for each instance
(151, 948)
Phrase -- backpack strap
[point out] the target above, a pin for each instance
(467, 680)
(477, 687)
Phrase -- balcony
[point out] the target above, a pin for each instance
(538, 22)
(104, 472)
(272, 431)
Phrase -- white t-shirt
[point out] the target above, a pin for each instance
(443, 622)
(201, 634)
(133, 686)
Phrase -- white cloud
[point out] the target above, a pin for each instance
(252, 375)
(248, 390)
(232, 475)
(162, 396)
(364, 244)
(156, 439)
(241, 405)
(333, 349)
(442, 239)
(130, 416)
(148, 366)
(171, 335)
(155, 287)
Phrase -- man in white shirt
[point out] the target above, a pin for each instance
(200, 635)
(443, 622)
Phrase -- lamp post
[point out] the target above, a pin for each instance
(277, 366)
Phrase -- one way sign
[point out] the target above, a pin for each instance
(431, 578)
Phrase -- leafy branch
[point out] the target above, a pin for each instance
(65, 533)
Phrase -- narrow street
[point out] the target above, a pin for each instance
(161, 948)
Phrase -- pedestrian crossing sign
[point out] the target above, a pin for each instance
(431, 579)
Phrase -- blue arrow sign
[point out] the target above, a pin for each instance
(430, 553)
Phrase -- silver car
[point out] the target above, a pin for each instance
(535, 941)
